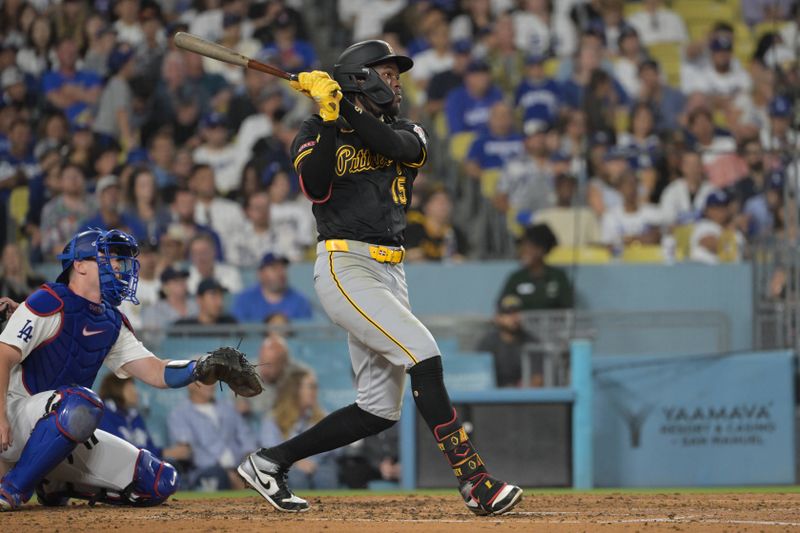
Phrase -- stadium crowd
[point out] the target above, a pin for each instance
(581, 129)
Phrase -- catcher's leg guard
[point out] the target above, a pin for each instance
(153, 482)
(73, 415)
(482, 493)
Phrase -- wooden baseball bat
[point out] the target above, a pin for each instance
(198, 45)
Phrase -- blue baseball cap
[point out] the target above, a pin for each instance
(560, 157)
(775, 180)
(600, 138)
(478, 65)
(535, 59)
(462, 46)
(721, 43)
(272, 258)
(780, 106)
(718, 198)
(616, 152)
(212, 120)
(120, 55)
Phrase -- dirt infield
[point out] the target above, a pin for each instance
(716, 512)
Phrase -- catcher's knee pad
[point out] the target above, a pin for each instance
(153, 481)
(77, 412)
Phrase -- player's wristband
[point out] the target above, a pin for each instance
(178, 374)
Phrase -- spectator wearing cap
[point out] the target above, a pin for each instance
(204, 264)
(62, 214)
(632, 221)
(667, 103)
(210, 306)
(467, 107)
(286, 50)
(232, 38)
(224, 216)
(721, 76)
(438, 58)
(495, 147)
(778, 135)
(572, 224)
(221, 156)
(36, 57)
(538, 96)
(764, 212)
(658, 24)
(127, 25)
(13, 90)
(271, 294)
(526, 183)
(109, 213)
(115, 117)
(175, 302)
(443, 82)
(603, 190)
(71, 90)
(245, 248)
(431, 234)
(536, 285)
(714, 239)
(683, 200)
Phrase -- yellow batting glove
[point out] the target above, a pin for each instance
(305, 80)
(327, 93)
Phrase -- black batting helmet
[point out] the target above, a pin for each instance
(354, 66)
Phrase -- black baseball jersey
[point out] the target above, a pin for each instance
(370, 193)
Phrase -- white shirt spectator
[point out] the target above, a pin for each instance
(705, 228)
(678, 206)
(253, 128)
(627, 74)
(129, 33)
(227, 275)
(704, 78)
(247, 247)
(224, 216)
(528, 185)
(661, 26)
(531, 33)
(429, 63)
(226, 165)
(370, 16)
(294, 222)
(618, 223)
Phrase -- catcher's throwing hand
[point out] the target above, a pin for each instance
(231, 366)
(7, 307)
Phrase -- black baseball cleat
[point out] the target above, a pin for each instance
(268, 478)
(485, 495)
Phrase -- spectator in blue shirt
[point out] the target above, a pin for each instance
(216, 434)
(538, 96)
(288, 52)
(120, 416)
(467, 107)
(668, 103)
(493, 149)
(110, 215)
(271, 294)
(72, 91)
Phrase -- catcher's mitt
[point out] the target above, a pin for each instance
(231, 366)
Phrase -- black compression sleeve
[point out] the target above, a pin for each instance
(317, 169)
(399, 145)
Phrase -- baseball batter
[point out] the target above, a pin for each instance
(50, 353)
(357, 162)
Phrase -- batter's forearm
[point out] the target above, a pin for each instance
(317, 169)
(380, 137)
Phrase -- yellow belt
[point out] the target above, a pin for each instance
(381, 254)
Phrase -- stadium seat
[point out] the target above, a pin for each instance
(459, 145)
(683, 235)
(489, 179)
(18, 204)
(705, 10)
(642, 253)
(581, 255)
(551, 67)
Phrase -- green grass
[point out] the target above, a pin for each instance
(794, 489)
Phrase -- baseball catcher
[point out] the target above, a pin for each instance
(50, 353)
(357, 162)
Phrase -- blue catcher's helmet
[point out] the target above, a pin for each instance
(116, 285)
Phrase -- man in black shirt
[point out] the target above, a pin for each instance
(358, 169)
(211, 305)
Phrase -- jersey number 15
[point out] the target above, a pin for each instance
(399, 190)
